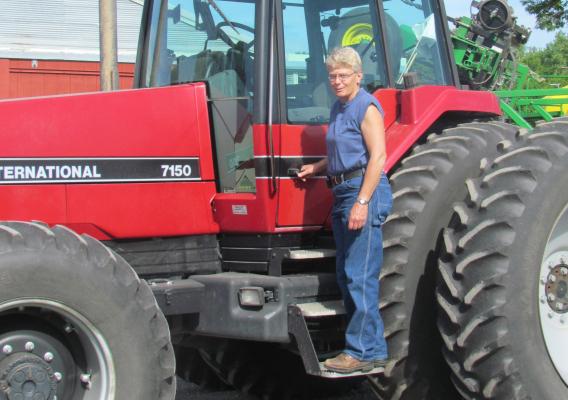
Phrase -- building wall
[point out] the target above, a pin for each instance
(64, 29)
(29, 78)
(52, 46)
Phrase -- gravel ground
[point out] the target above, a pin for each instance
(189, 391)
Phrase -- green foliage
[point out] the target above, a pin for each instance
(550, 62)
(550, 14)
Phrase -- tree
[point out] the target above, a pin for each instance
(552, 60)
(550, 14)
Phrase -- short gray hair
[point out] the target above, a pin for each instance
(344, 57)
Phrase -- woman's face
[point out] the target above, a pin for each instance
(344, 81)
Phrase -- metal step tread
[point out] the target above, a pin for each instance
(308, 254)
(330, 374)
(322, 308)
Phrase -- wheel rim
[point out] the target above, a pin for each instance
(356, 34)
(62, 356)
(553, 295)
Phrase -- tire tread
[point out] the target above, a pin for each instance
(471, 296)
(414, 184)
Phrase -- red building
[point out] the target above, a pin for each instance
(27, 78)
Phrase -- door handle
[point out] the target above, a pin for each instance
(293, 172)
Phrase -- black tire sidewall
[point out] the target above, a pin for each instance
(355, 16)
(95, 294)
(361, 15)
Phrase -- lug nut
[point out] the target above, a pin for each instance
(543, 299)
(68, 328)
(57, 376)
(552, 278)
(551, 297)
(560, 306)
(543, 281)
(564, 271)
(29, 346)
(86, 380)
(550, 315)
(48, 357)
(7, 349)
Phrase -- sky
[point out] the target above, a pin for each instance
(538, 38)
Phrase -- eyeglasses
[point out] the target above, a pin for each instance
(341, 77)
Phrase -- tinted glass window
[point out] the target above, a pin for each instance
(416, 47)
(192, 41)
(312, 29)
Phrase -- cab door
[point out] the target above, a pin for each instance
(310, 30)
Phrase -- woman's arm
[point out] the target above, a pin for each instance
(373, 131)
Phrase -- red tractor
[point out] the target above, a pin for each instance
(176, 238)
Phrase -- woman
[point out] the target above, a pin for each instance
(362, 199)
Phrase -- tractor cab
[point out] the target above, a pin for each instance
(269, 99)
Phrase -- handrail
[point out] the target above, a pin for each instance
(270, 98)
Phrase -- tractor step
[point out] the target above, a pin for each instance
(336, 375)
(322, 308)
(309, 254)
(298, 328)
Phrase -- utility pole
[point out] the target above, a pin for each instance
(108, 45)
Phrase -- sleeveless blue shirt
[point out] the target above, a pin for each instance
(346, 150)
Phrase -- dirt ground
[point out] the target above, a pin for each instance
(189, 391)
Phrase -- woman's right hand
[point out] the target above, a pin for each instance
(307, 171)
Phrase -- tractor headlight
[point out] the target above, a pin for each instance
(251, 296)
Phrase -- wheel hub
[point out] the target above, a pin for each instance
(556, 288)
(31, 366)
(553, 295)
(79, 361)
(356, 34)
(27, 376)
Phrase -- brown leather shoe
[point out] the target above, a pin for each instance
(345, 364)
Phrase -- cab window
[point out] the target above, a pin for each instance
(312, 28)
(416, 48)
(192, 41)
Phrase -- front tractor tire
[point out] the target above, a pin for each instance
(425, 187)
(502, 293)
(76, 323)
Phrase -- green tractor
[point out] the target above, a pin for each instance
(485, 46)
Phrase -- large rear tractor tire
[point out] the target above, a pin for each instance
(425, 187)
(76, 323)
(503, 289)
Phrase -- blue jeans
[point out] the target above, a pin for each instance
(358, 264)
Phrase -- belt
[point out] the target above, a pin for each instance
(335, 180)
